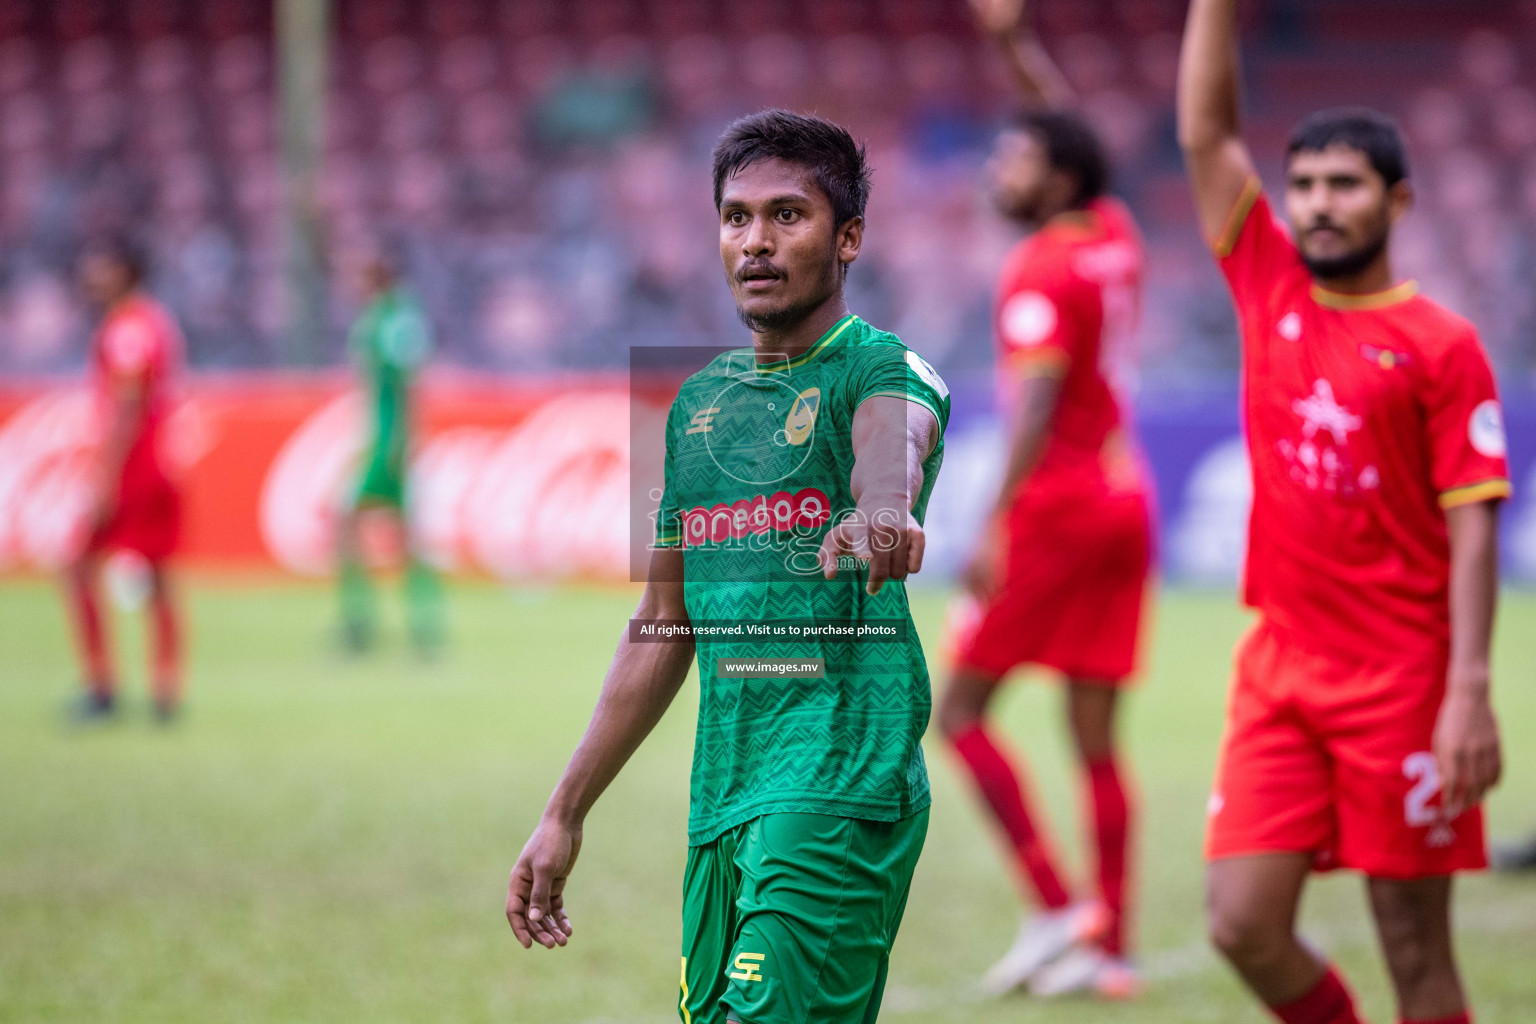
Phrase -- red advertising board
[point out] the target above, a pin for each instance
(515, 477)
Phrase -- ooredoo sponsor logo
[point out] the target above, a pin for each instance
(780, 512)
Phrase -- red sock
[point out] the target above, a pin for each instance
(1464, 1017)
(1112, 815)
(91, 636)
(1001, 784)
(1329, 1002)
(167, 648)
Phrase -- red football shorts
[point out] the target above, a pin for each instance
(1072, 593)
(1331, 757)
(146, 517)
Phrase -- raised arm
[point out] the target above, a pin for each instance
(1467, 746)
(1040, 80)
(1210, 128)
(641, 684)
(891, 438)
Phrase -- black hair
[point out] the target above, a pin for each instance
(124, 250)
(1371, 132)
(837, 163)
(1071, 145)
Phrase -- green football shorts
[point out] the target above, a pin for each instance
(790, 918)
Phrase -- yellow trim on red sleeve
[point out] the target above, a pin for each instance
(1237, 218)
(1485, 490)
(1038, 362)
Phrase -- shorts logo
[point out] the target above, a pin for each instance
(1486, 430)
(703, 421)
(802, 416)
(1422, 770)
(746, 967)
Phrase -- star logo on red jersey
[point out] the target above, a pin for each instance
(1321, 411)
(1321, 460)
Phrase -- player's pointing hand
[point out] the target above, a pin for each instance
(890, 541)
(536, 890)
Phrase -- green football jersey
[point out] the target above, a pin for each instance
(757, 470)
(390, 342)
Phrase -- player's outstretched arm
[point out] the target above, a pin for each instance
(891, 438)
(1467, 746)
(1210, 124)
(641, 684)
(1040, 80)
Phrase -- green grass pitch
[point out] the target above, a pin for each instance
(323, 840)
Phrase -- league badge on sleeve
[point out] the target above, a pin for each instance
(1486, 430)
(927, 374)
(1029, 318)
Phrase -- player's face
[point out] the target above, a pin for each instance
(783, 251)
(374, 276)
(1341, 210)
(1018, 172)
(103, 278)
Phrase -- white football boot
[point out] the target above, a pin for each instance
(1043, 939)
(1086, 970)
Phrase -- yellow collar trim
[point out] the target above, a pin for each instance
(1371, 300)
(1080, 217)
(812, 352)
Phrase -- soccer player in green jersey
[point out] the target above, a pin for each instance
(797, 474)
(390, 342)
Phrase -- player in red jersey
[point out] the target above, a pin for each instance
(135, 356)
(1359, 729)
(1060, 575)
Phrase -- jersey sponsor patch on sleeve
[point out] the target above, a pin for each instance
(1485, 429)
(1029, 318)
(927, 374)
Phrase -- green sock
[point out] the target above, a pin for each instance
(357, 605)
(424, 604)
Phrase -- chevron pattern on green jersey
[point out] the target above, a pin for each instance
(845, 744)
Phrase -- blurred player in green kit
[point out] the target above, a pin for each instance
(390, 342)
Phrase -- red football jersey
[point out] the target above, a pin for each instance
(138, 346)
(1069, 299)
(1366, 416)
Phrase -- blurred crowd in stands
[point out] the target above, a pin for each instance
(543, 164)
